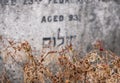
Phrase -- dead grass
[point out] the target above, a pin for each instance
(98, 66)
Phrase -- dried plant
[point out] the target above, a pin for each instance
(4, 78)
(98, 66)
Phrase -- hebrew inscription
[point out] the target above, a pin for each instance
(47, 41)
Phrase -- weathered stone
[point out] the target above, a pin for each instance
(56, 23)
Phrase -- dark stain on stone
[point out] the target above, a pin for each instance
(3, 28)
(89, 48)
(30, 25)
(117, 1)
(0, 58)
(106, 0)
(112, 40)
(13, 71)
(32, 39)
(17, 18)
(108, 21)
(82, 34)
(95, 31)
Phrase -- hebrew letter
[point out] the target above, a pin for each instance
(48, 40)
(71, 37)
(60, 38)
(54, 39)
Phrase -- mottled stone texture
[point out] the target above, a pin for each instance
(99, 19)
(105, 25)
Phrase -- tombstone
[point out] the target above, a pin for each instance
(57, 23)
(79, 22)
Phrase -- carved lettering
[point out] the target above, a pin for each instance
(26, 2)
(58, 1)
(55, 18)
(74, 18)
(61, 39)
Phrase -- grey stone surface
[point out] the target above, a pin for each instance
(85, 21)
(97, 19)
